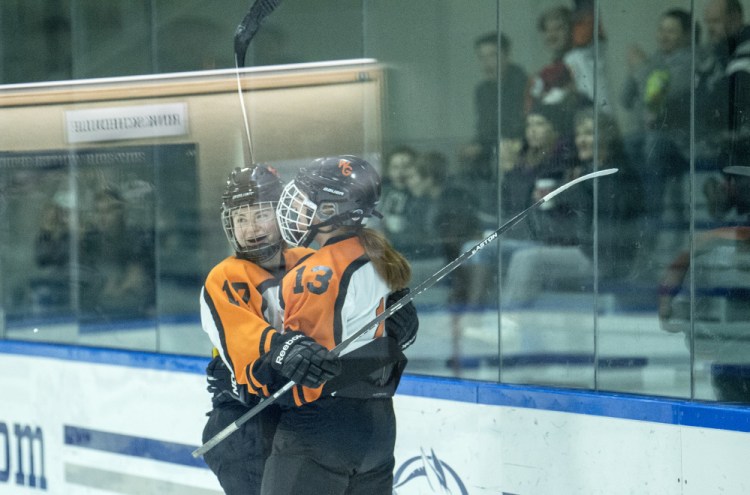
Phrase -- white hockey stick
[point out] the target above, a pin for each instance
(232, 427)
(737, 170)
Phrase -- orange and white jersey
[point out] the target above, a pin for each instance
(331, 295)
(240, 312)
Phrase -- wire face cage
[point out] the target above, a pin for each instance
(295, 214)
(251, 230)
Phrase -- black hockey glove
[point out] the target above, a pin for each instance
(221, 386)
(299, 358)
(404, 323)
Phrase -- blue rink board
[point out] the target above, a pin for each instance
(605, 404)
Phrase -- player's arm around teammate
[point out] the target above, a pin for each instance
(339, 437)
(240, 314)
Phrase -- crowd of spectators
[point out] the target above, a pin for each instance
(558, 123)
(535, 129)
(99, 263)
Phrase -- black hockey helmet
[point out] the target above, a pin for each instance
(248, 212)
(349, 187)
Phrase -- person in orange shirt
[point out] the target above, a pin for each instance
(340, 437)
(241, 315)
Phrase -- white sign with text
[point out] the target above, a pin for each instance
(121, 123)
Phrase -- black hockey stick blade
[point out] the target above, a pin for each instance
(244, 33)
(249, 26)
(429, 282)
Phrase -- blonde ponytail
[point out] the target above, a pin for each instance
(389, 263)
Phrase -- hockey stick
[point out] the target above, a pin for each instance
(248, 28)
(244, 33)
(737, 170)
(435, 278)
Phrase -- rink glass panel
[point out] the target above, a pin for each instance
(110, 228)
(597, 330)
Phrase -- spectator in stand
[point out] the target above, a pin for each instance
(658, 92)
(545, 153)
(717, 297)
(50, 286)
(620, 209)
(586, 58)
(555, 84)
(724, 79)
(513, 80)
(479, 158)
(722, 94)
(444, 211)
(118, 279)
(554, 80)
(566, 228)
(396, 198)
(480, 154)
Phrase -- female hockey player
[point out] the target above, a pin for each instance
(240, 313)
(338, 438)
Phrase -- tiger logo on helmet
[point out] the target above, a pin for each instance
(331, 192)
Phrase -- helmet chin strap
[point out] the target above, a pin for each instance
(263, 255)
(330, 224)
(314, 230)
(337, 221)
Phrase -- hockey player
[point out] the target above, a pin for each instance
(237, 316)
(240, 313)
(338, 438)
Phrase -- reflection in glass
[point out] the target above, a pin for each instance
(89, 258)
(499, 103)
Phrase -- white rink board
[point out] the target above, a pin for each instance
(122, 422)
(139, 412)
(515, 440)
(497, 450)
(443, 444)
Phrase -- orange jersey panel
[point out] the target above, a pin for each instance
(240, 312)
(330, 295)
